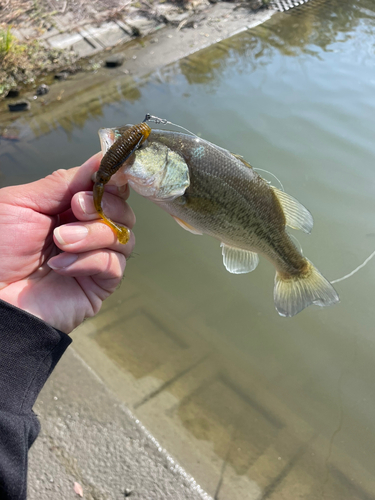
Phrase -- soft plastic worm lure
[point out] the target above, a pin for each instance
(116, 155)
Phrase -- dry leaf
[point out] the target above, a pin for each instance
(78, 489)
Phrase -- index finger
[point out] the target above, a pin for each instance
(52, 194)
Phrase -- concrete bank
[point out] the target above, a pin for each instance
(69, 40)
(140, 56)
(89, 438)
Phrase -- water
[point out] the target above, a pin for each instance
(253, 405)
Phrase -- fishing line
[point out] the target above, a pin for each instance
(273, 175)
(299, 246)
(356, 269)
(163, 121)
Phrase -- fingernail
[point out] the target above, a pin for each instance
(66, 235)
(86, 203)
(62, 261)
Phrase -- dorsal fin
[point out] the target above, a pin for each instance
(239, 157)
(296, 215)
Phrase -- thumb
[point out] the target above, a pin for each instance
(52, 194)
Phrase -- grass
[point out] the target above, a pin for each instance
(15, 59)
(22, 63)
(6, 42)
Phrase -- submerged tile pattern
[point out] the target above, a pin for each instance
(238, 440)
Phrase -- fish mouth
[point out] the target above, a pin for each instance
(107, 137)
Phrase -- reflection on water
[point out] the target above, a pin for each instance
(305, 30)
(316, 26)
(253, 405)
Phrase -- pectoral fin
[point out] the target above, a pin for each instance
(296, 215)
(186, 226)
(239, 261)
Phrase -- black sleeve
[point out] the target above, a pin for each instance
(29, 351)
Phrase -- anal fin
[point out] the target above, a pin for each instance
(186, 226)
(238, 261)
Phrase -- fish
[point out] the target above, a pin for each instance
(209, 190)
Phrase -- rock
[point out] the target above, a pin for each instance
(63, 75)
(42, 89)
(13, 93)
(135, 31)
(19, 106)
(128, 492)
(114, 61)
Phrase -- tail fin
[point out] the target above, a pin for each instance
(293, 294)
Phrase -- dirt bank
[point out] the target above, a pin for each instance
(38, 37)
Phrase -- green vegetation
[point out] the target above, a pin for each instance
(22, 64)
(6, 39)
(12, 54)
(15, 60)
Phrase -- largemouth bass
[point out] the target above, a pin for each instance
(209, 190)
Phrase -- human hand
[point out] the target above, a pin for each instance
(58, 261)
